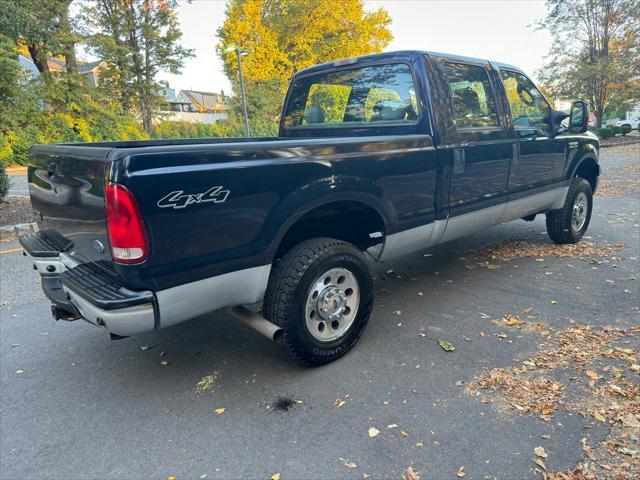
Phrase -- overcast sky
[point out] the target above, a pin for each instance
(495, 30)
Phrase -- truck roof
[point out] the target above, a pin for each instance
(406, 55)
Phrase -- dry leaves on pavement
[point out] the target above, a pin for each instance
(512, 249)
(606, 388)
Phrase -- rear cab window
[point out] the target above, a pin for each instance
(382, 94)
(474, 104)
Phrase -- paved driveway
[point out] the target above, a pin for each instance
(74, 404)
(18, 185)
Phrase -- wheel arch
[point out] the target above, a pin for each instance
(587, 167)
(332, 215)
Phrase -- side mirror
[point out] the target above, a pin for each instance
(579, 117)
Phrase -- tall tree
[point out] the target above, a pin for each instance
(137, 39)
(284, 36)
(36, 24)
(595, 53)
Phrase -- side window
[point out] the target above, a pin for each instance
(529, 108)
(474, 105)
(354, 96)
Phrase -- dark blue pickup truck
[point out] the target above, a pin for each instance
(376, 157)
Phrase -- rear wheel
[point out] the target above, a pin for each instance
(569, 224)
(321, 295)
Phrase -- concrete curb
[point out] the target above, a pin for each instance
(12, 171)
(11, 232)
(619, 144)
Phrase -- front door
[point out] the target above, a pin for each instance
(480, 149)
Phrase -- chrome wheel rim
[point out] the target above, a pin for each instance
(579, 215)
(332, 304)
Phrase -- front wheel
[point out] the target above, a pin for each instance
(569, 224)
(321, 295)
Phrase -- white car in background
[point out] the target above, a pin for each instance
(634, 123)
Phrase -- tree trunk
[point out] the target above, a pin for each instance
(69, 44)
(41, 64)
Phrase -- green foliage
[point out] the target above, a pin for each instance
(61, 109)
(595, 53)
(615, 130)
(137, 39)
(285, 36)
(4, 182)
(171, 129)
(603, 132)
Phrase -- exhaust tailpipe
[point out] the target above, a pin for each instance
(257, 322)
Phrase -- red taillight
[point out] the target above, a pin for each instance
(127, 235)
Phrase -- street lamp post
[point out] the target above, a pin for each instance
(241, 53)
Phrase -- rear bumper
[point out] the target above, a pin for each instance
(84, 291)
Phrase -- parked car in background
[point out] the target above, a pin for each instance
(633, 123)
(377, 157)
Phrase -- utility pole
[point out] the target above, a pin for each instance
(241, 53)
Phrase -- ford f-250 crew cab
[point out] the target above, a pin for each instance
(376, 157)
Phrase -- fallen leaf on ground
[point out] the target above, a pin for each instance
(275, 476)
(512, 320)
(207, 383)
(220, 410)
(554, 301)
(348, 464)
(592, 375)
(461, 473)
(339, 402)
(631, 420)
(540, 463)
(446, 346)
(373, 432)
(411, 474)
(539, 451)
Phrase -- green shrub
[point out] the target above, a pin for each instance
(603, 132)
(624, 129)
(616, 130)
(4, 182)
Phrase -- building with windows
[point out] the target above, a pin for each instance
(193, 105)
(89, 70)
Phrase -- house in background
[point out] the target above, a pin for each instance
(89, 70)
(193, 106)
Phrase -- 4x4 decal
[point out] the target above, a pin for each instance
(179, 200)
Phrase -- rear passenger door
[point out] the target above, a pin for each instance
(478, 143)
(539, 160)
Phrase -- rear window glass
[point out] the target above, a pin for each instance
(473, 101)
(367, 95)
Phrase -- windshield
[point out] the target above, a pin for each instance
(357, 96)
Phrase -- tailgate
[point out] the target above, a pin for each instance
(66, 185)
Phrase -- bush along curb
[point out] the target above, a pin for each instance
(11, 232)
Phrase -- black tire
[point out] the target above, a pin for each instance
(559, 222)
(291, 279)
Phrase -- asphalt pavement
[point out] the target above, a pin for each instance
(18, 184)
(74, 404)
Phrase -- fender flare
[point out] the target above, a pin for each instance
(589, 156)
(299, 203)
